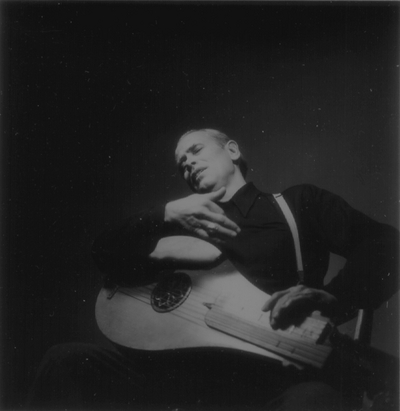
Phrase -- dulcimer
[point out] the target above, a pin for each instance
(207, 308)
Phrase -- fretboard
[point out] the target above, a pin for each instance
(301, 343)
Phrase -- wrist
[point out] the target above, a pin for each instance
(167, 213)
(328, 303)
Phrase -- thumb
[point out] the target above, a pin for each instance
(216, 195)
(269, 305)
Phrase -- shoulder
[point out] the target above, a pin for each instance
(302, 192)
(307, 194)
(310, 197)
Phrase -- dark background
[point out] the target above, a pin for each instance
(95, 95)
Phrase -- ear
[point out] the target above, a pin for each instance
(233, 149)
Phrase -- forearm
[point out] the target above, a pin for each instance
(131, 247)
(126, 248)
(370, 275)
(371, 249)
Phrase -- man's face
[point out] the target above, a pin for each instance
(203, 163)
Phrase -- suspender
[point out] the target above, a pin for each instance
(293, 228)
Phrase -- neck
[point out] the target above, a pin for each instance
(234, 185)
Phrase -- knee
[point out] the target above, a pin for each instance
(69, 353)
(57, 374)
(313, 395)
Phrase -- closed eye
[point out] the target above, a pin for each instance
(194, 149)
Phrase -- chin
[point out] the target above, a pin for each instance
(198, 189)
(204, 189)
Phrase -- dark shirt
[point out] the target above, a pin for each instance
(264, 249)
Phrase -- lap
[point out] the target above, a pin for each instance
(90, 376)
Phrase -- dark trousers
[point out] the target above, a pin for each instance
(85, 376)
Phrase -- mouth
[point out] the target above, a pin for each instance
(196, 175)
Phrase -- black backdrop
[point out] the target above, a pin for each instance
(95, 94)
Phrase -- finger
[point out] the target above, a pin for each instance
(214, 229)
(277, 295)
(216, 241)
(215, 208)
(200, 232)
(221, 220)
(195, 226)
(204, 228)
(278, 316)
(292, 308)
(269, 305)
(216, 195)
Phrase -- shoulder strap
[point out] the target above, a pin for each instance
(295, 233)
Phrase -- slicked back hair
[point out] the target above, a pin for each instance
(222, 139)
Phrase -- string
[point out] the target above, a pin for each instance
(287, 342)
(248, 331)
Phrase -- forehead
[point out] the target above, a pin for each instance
(188, 141)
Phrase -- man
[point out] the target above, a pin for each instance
(249, 229)
(208, 165)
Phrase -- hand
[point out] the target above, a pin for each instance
(200, 215)
(291, 306)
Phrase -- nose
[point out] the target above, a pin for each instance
(192, 160)
(189, 161)
(184, 165)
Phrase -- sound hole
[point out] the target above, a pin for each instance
(171, 292)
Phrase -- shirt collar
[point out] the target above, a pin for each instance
(245, 197)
